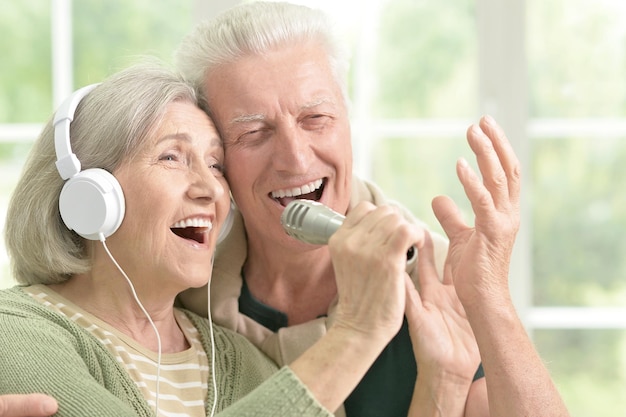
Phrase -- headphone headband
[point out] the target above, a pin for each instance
(67, 163)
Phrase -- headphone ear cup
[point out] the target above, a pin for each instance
(92, 204)
(228, 223)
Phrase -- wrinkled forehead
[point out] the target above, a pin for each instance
(286, 79)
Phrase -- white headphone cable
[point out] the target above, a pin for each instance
(156, 331)
(213, 379)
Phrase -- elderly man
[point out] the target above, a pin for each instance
(274, 78)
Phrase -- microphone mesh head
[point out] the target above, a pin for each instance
(293, 218)
(310, 221)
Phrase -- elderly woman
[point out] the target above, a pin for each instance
(118, 211)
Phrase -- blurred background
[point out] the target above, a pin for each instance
(552, 72)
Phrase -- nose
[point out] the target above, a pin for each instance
(205, 184)
(292, 151)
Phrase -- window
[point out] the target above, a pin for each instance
(552, 72)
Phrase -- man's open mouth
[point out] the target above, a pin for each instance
(312, 191)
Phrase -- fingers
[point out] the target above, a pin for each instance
(477, 191)
(375, 236)
(499, 187)
(448, 215)
(382, 226)
(413, 304)
(29, 405)
(497, 163)
(427, 277)
(369, 258)
(426, 265)
(505, 152)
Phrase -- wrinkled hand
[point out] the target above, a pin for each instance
(369, 261)
(31, 405)
(479, 256)
(442, 338)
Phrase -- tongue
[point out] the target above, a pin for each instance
(191, 233)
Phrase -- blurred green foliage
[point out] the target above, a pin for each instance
(107, 35)
(26, 61)
(426, 61)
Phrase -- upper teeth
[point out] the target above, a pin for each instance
(193, 223)
(294, 192)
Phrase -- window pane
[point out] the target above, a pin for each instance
(26, 61)
(579, 221)
(109, 35)
(576, 53)
(589, 368)
(426, 60)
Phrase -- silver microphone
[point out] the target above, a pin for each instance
(314, 223)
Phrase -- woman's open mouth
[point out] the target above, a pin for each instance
(195, 229)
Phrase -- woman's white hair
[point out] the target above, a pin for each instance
(110, 125)
(253, 29)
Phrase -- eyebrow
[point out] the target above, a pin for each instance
(259, 117)
(317, 102)
(245, 118)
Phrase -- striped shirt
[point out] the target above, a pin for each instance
(183, 375)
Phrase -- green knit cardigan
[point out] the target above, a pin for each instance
(43, 351)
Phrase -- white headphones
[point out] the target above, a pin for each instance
(91, 201)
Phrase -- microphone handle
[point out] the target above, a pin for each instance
(314, 223)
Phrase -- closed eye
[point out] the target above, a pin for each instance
(253, 137)
(316, 121)
(217, 169)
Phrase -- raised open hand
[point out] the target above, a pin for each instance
(479, 256)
